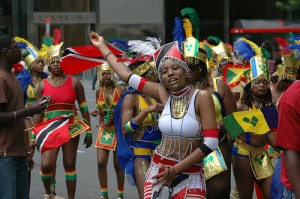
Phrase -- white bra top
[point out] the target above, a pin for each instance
(187, 126)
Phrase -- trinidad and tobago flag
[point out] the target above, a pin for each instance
(77, 59)
(52, 133)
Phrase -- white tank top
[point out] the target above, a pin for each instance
(187, 126)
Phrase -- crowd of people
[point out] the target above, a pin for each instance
(164, 123)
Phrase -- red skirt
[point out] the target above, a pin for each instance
(191, 182)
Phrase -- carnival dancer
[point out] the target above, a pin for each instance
(107, 96)
(186, 139)
(144, 138)
(64, 91)
(217, 165)
(249, 159)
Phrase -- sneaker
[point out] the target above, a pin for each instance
(48, 196)
(234, 193)
(58, 197)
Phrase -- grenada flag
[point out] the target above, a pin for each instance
(259, 121)
(233, 74)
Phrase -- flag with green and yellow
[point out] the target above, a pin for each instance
(259, 121)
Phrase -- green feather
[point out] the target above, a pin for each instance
(208, 51)
(212, 40)
(193, 16)
(265, 53)
(47, 40)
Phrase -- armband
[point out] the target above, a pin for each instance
(131, 126)
(137, 82)
(83, 107)
(205, 149)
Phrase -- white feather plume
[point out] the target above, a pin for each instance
(148, 47)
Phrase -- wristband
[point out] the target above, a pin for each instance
(131, 126)
(83, 107)
(89, 133)
(32, 135)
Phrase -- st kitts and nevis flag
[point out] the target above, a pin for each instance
(77, 59)
(234, 74)
(259, 121)
(52, 134)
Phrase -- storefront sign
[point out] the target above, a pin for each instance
(65, 18)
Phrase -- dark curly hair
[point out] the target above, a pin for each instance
(248, 99)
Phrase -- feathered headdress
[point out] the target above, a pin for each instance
(288, 70)
(258, 63)
(30, 53)
(222, 51)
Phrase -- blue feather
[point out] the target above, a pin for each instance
(295, 38)
(295, 48)
(178, 31)
(122, 45)
(243, 49)
(22, 45)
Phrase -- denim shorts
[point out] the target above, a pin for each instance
(288, 194)
(14, 178)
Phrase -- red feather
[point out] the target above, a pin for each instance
(56, 36)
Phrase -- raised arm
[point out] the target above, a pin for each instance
(154, 90)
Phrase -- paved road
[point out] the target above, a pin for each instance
(87, 177)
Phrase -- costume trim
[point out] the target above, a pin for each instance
(214, 164)
(260, 162)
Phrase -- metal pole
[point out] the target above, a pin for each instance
(226, 20)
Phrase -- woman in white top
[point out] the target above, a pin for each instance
(188, 123)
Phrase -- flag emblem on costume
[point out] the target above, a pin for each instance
(258, 121)
(234, 74)
(52, 133)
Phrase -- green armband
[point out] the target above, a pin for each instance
(89, 133)
(83, 107)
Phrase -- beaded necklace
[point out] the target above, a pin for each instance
(179, 102)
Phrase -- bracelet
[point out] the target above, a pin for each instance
(15, 115)
(107, 54)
